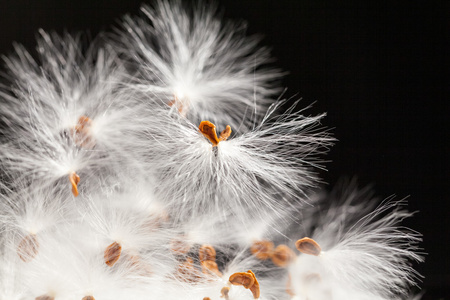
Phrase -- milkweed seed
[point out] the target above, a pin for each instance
(225, 134)
(206, 252)
(28, 248)
(308, 246)
(80, 133)
(282, 256)
(112, 253)
(242, 278)
(225, 291)
(208, 129)
(74, 180)
(206, 298)
(210, 267)
(45, 297)
(88, 298)
(262, 249)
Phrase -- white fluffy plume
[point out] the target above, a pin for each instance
(116, 185)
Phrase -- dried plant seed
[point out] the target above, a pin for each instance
(242, 278)
(282, 256)
(80, 133)
(255, 287)
(112, 253)
(225, 134)
(262, 249)
(210, 267)
(45, 297)
(308, 246)
(88, 298)
(224, 292)
(28, 248)
(208, 129)
(74, 180)
(206, 252)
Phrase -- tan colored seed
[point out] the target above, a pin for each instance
(225, 134)
(208, 129)
(112, 253)
(80, 132)
(262, 249)
(282, 256)
(206, 298)
(210, 267)
(88, 298)
(28, 248)
(247, 280)
(206, 252)
(225, 291)
(242, 278)
(255, 287)
(74, 180)
(308, 246)
(45, 297)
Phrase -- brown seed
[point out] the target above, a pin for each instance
(225, 291)
(255, 287)
(210, 267)
(208, 129)
(74, 180)
(179, 246)
(112, 253)
(247, 280)
(45, 297)
(80, 133)
(206, 298)
(88, 298)
(206, 252)
(225, 134)
(262, 249)
(242, 278)
(28, 248)
(308, 246)
(283, 256)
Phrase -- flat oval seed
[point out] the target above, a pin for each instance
(225, 291)
(242, 278)
(206, 298)
(112, 253)
(45, 297)
(28, 248)
(206, 252)
(208, 129)
(88, 298)
(308, 246)
(262, 249)
(283, 256)
(74, 180)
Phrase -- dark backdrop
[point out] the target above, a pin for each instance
(380, 69)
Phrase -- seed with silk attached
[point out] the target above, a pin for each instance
(208, 129)
(308, 246)
(282, 256)
(112, 253)
(74, 180)
(28, 248)
(262, 249)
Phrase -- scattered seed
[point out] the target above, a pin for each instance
(282, 256)
(225, 134)
(88, 298)
(45, 297)
(242, 278)
(262, 249)
(112, 253)
(206, 298)
(207, 252)
(208, 129)
(210, 267)
(255, 287)
(28, 248)
(225, 291)
(308, 246)
(74, 180)
(80, 133)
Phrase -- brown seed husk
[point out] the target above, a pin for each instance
(283, 256)
(308, 246)
(74, 180)
(112, 253)
(28, 248)
(45, 297)
(206, 252)
(262, 249)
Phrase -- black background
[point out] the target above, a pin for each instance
(380, 69)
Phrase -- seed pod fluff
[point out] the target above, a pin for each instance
(157, 162)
